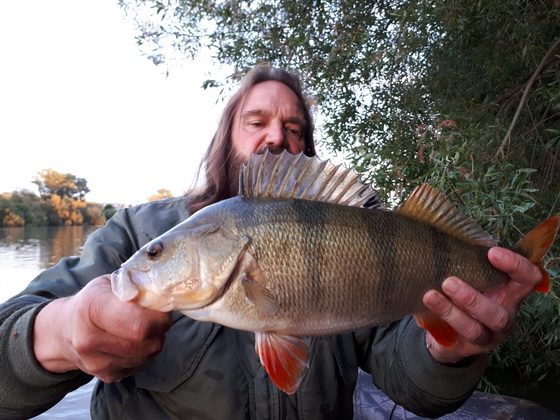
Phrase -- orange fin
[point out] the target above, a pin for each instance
(429, 206)
(284, 358)
(536, 244)
(438, 328)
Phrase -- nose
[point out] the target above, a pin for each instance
(276, 135)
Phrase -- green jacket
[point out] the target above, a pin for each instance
(210, 371)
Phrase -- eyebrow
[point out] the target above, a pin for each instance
(261, 112)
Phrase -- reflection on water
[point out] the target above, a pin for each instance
(25, 252)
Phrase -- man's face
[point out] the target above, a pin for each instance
(270, 117)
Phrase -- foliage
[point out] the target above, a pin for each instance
(21, 208)
(108, 211)
(61, 203)
(162, 193)
(51, 183)
(464, 95)
(93, 214)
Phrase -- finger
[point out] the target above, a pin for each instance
(465, 325)
(107, 356)
(479, 307)
(119, 347)
(111, 369)
(524, 275)
(124, 319)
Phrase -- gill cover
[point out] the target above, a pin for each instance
(214, 256)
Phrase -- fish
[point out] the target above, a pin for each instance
(306, 249)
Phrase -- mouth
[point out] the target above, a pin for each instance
(125, 283)
(130, 285)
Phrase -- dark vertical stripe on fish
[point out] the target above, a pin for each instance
(313, 241)
(441, 249)
(387, 260)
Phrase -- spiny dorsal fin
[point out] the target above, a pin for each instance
(429, 206)
(307, 178)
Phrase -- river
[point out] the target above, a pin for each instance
(24, 253)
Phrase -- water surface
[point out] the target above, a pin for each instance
(24, 253)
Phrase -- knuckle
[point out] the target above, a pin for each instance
(448, 312)
(139, 330)
(472, 300)
(83, 345)
(501, 322)
(474, 332)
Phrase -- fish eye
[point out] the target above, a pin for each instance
(154, 250)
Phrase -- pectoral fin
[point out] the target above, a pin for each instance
(255, 282)
(443, 333)
(284, 358)
(259, 295)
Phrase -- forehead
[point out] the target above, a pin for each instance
(271, 96)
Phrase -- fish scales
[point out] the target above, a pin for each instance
(276, 261)
(327, 265)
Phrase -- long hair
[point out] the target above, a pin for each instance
(215, 163)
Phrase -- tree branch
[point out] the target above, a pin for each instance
(540, 67)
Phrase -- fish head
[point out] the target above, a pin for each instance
(186, 268)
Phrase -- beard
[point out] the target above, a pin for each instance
(234, 167)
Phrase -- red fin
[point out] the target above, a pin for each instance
(438, 328)
(536, 244)
(284, 358)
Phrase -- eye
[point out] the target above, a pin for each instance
(256, 124)
(294, 131)
(154, 250)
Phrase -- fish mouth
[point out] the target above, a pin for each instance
(126, 283)
(131, 285)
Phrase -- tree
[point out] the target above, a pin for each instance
(109, 211)
(64, 210)
(51, 182)
(21, 208)
(162, 193)
(463, 95)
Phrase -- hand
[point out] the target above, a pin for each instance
(481, 319)
(97, 333)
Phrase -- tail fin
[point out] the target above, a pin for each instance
(536, 244)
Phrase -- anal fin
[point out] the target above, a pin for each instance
(442, 332)
(284, 358)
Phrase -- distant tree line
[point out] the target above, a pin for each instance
(61, 201)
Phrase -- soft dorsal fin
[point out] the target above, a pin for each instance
(307, 178)
(429, 206)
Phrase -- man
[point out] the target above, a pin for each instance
(68, 326)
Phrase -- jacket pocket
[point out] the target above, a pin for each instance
(185, 345)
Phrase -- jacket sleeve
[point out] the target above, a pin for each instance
(403, 368)
(26, 389)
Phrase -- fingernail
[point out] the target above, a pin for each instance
(433, 299)
(497, 254)
(451, 286)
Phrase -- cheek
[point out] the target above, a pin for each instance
(296, 146)
(245, 143)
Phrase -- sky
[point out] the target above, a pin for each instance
(77, 96)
